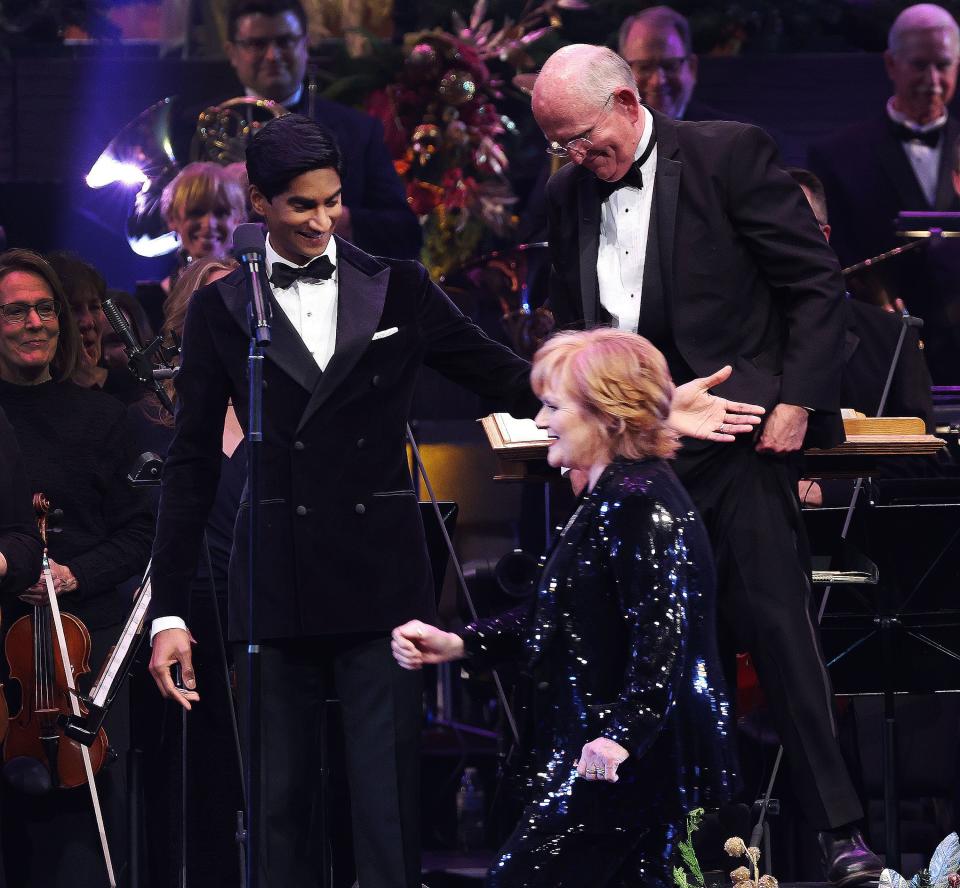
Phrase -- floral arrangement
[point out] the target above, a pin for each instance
(690, 874)
(747, 877)
(942, 872)
(445, 133)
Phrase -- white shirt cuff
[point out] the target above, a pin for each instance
(161, 623)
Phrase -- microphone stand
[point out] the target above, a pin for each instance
(258, 314)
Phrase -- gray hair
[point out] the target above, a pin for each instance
(605, 73)
(921, 17)
(658, 17)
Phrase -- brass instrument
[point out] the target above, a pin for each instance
(223, 130)
(141, 160)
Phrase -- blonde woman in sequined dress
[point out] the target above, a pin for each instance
(631, 719)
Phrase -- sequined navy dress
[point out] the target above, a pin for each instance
(620, 640)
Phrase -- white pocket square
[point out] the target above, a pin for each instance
(383, 334)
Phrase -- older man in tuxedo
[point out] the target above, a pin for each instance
(900, 158)
(692, 235)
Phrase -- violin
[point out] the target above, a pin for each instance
(35, 662)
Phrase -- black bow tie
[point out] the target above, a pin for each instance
(282, 275)
(632, 178)
(930, 137)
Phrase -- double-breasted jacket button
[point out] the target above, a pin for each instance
(299, 445)
(360, 508)
(361, 443)
(375, 381)
(301, 510)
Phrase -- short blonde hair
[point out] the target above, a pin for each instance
(206, 185)
(619, 378)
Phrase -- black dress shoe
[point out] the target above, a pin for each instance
(847, 861)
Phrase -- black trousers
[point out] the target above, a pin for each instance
(749, 504)
(381, 709)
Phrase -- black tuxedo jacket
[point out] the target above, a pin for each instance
(869, 180)
(342, 545)
(737, 271)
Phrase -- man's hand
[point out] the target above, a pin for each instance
(784, 431)
(600, 759)
(63, 582)
(173, 646)
(416, 644)
(698, 414)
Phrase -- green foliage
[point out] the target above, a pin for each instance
(688, 856)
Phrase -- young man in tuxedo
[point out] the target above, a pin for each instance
(343, 557)
(691, 234)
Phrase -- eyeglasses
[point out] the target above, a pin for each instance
(648, 67)
(259, 45)
(18, 312)
(581, 144)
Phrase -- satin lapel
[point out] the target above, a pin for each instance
(287, 350)
(667, 189)
(588, 224)
(894, 161)
(946, 199)
(359, 308)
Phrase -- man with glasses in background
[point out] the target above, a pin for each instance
(658, 47)
(267, 47)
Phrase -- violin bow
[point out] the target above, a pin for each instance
(41, 501)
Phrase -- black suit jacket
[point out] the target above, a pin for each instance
(342, 546)
(869, 180)
(737, 271)
(870, 344)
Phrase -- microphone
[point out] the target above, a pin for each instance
(140, 363)
(250, 250)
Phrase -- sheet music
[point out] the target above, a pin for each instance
(130, 631)
(513, 429)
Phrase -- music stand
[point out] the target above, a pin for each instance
(901, 635)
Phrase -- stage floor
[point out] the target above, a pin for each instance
(443, 869)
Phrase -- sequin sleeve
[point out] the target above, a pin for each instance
(651, 566)
(493, 639)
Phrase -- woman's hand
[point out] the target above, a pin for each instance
(600, 759)
(63, 582)
(698, 414)
(417, 644)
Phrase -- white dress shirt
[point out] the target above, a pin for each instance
(311, 306)
(924, 159)
(622, 252)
